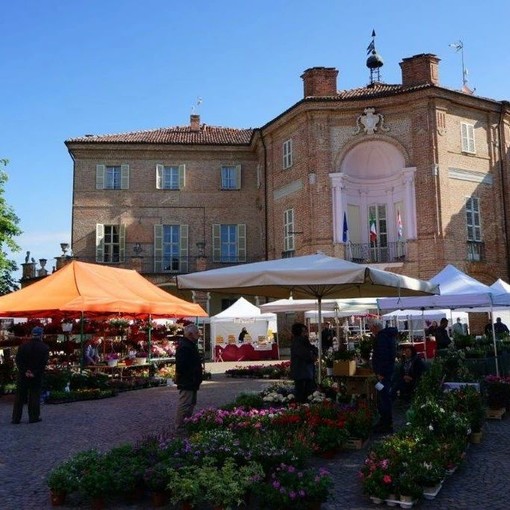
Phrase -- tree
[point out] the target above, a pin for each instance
(9, 229)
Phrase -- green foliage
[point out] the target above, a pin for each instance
(62, 479)
(248, 401)
(9, 229)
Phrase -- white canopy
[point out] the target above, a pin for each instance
(241, 314)
(349, 306)
(458, 291)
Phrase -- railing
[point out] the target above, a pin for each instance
(370, 253)
(475, 251)
(179, 265)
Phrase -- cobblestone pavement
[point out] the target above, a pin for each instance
(29, 451)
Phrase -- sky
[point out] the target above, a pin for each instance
(70, 68)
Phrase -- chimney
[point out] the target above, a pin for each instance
(320, 81)
(420, 69)
(194, 121)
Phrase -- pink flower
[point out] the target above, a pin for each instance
(387, 479)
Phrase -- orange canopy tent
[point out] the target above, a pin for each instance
(81, 288)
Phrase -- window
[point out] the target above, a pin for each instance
(170, 177)
(110, 243)
(229, 243)
(474, 228)
(468, 137)
(112, 177)
(288, 231)
(171, 248)
(287, 154)
(231, 177)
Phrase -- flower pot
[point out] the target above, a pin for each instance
(329, 370)
(113, 362)
(392, 500)
(58, 498)
(376, 500)
(140, 361)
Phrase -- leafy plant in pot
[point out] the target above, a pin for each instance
(61, 482)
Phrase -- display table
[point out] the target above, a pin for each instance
(246, 352)
(117, 370)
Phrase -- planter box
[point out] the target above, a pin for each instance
(495, 414)
(432, 492)
(355, 444)
(344, 368)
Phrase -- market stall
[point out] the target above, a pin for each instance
(257, 343)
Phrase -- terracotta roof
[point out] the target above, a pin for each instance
(372, 91)
(207, 135)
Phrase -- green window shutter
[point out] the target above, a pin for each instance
(158, 248)
(182, 176)
(100, 171)
(238, 176)
(216, 239)
(124, 177)
(122, 243)
(99, 242)
(159, 176)
(183, 248)
(241, 242)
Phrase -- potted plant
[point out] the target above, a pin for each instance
(328, 437)
(61, 482)
(344, 363)
(112, 359)
(407, 487)
(184, 486)
(141, 357)
(228, 485)
(290, 487)
(497, 389)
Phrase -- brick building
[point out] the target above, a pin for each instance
(411, 176)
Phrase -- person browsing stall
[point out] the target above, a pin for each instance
(383, 364)
(188, 375)
(31, 360)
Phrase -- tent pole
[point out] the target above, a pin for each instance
(149, 338)
(494, 342)
(319, 337)
(81, 342)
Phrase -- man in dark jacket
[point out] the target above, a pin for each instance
(31, 360)
(442, 337)
(303, 356)
(383, 365)
(188, 375)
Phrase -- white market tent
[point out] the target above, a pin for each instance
(458, 291)
(241, 314)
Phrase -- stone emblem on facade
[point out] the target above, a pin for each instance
(370, 122)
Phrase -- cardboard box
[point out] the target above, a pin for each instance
(344, 368)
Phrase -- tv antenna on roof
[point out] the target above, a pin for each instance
(459, 46)
(196, 105)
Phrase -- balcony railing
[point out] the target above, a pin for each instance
(369, 253)
(475, 251)
(182, 265)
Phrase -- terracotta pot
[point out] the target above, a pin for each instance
(58, 498)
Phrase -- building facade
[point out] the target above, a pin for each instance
(410, 176)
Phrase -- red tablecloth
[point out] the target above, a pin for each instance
(429, 348)
(245, 352)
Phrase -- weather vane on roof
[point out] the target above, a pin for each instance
(374, 61)
(459, 46)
